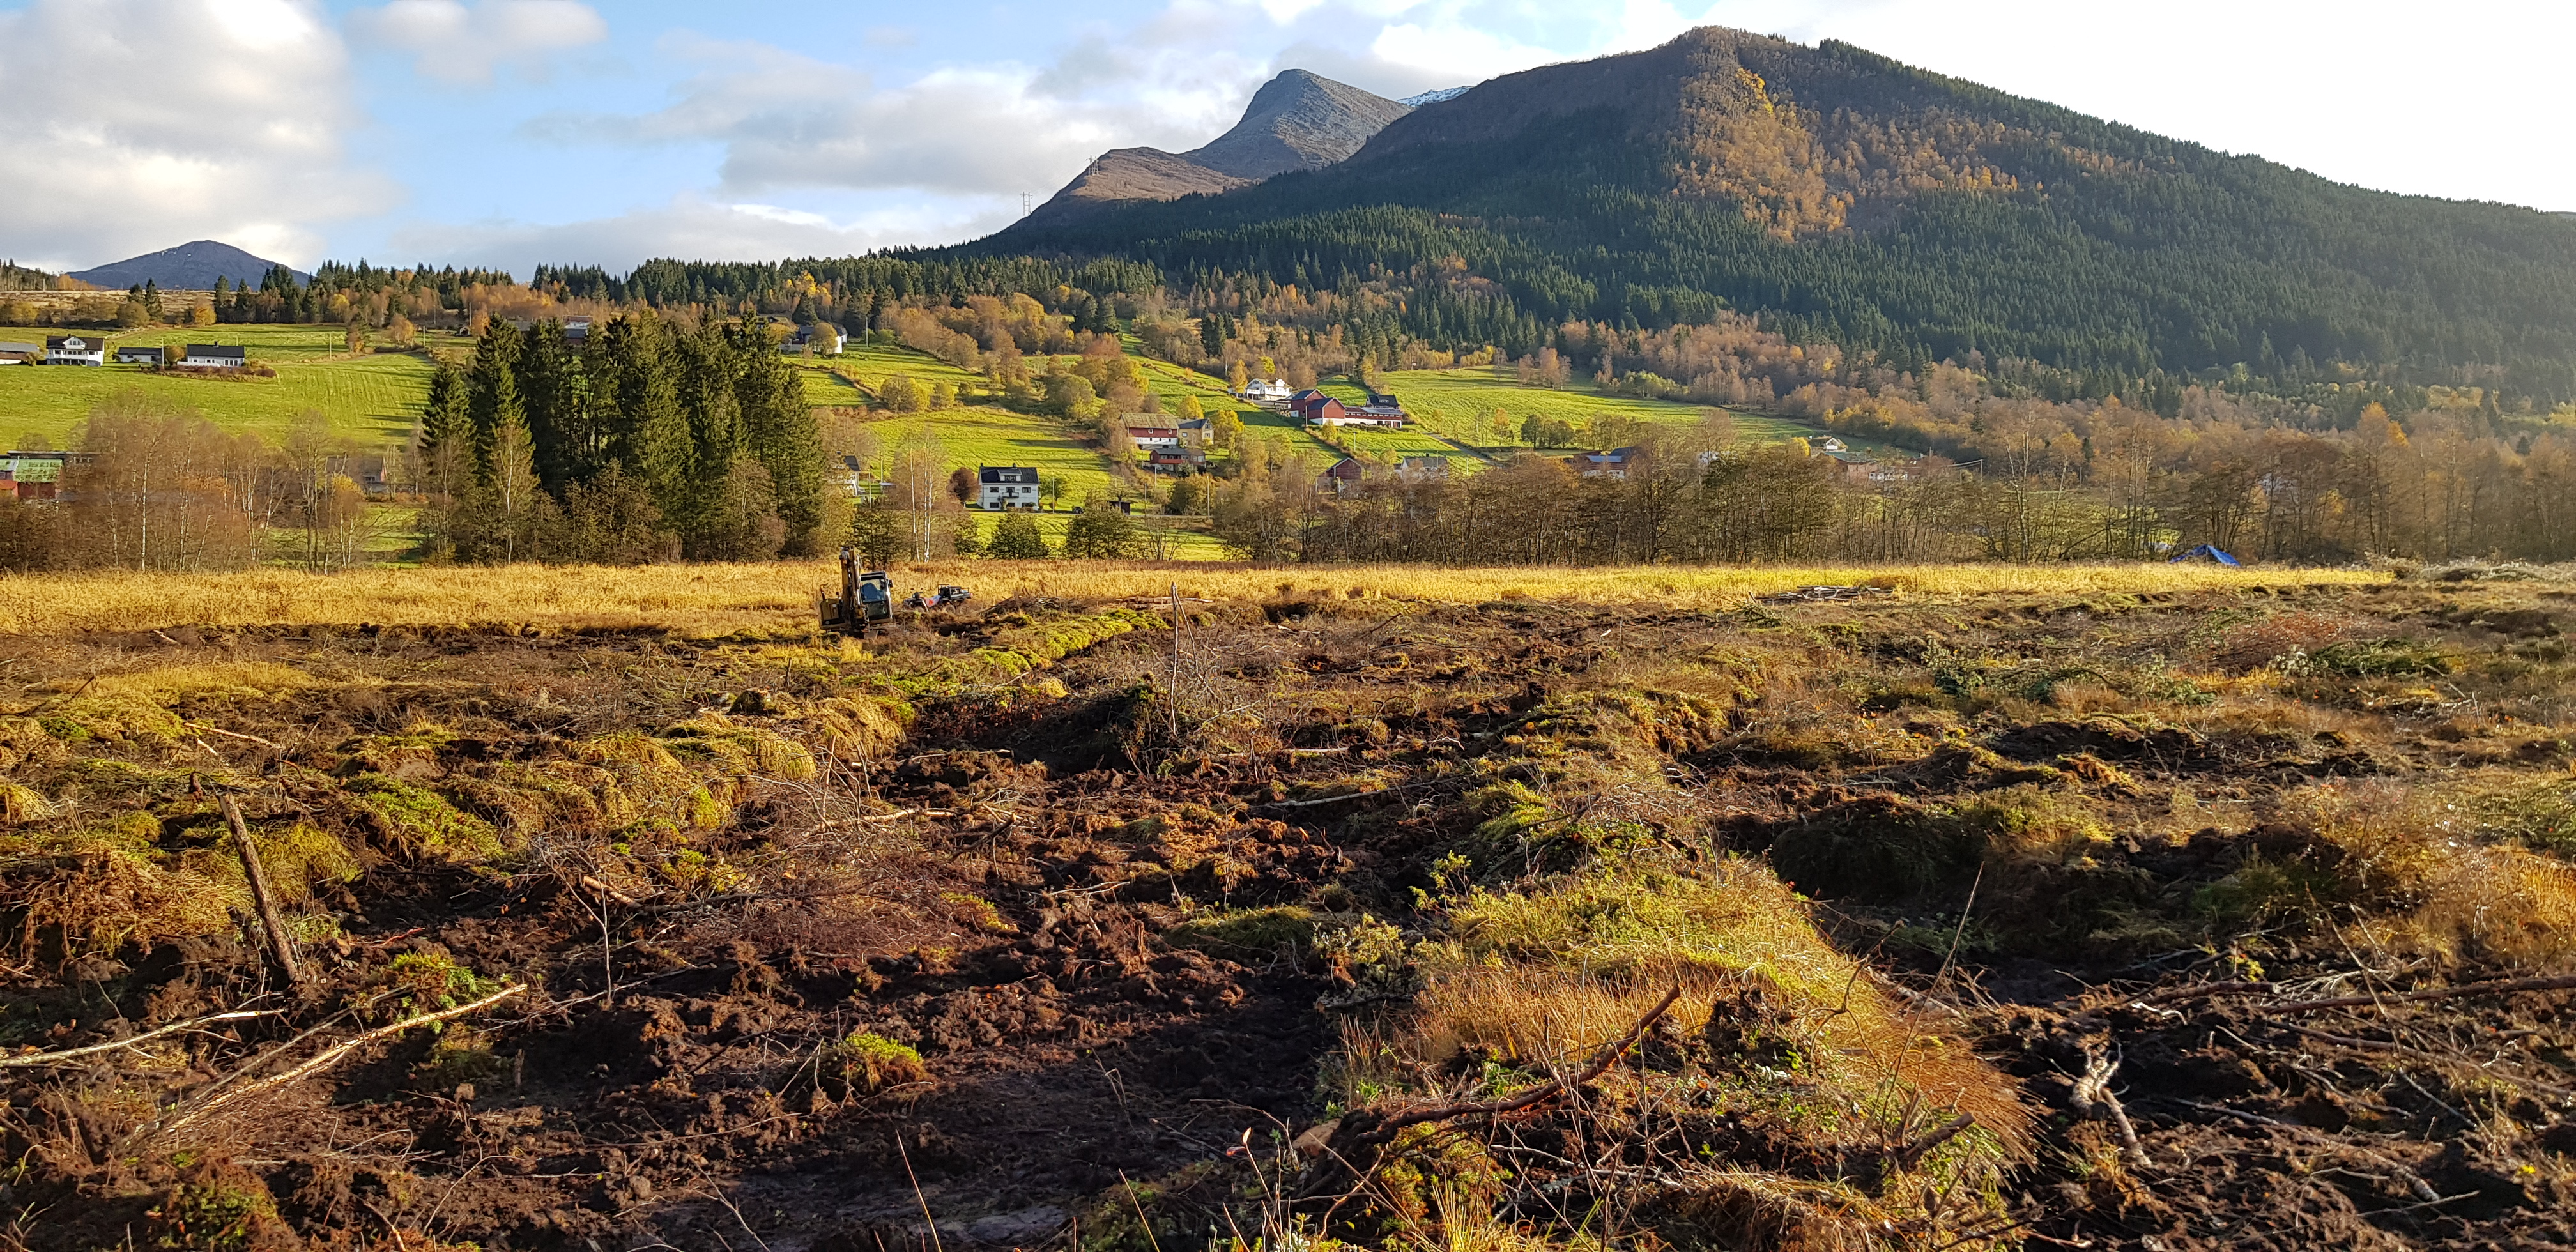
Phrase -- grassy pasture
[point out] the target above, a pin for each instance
(711, 600)
(370, 398)
(1462, 402)
(982, 436)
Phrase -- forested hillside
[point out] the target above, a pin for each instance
(1844, 196)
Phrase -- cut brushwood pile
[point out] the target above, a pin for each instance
(2218, 919)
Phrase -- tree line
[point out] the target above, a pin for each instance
(647, 441)
(158, 486)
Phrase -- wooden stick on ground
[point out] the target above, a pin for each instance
(2093, 1091)
(1385, 1131)
(235, 734)
(56, 1058)
(269, 920)
(2500, 986)
(333, 1055)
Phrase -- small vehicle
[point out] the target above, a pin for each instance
(952, 595)
(864, 598)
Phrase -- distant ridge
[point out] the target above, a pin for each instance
(1844, 197)
(188, 267)
(1297, 121)
(1432, 97)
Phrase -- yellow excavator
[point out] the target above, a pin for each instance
(864, 598)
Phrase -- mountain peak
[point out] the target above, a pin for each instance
(192, 266)
(1299, 120)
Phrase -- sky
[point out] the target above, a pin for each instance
(512, 132)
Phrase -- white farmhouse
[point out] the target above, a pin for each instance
(215, 356)
(1008, 486)
(75, 350)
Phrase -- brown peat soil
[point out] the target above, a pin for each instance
(2220, 915)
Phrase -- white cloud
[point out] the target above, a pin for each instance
(694, 227)
(148, 123)
(788, 120)
(461, 43)
(1455, 53)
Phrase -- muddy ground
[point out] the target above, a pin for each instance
(1017, 890)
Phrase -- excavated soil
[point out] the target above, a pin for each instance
(669, 1081)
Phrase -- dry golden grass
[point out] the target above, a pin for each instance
(1546, 978)
(722, 599)
(2408, 855)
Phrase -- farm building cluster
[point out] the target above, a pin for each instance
(94, 350)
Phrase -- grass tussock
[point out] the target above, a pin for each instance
(714, 600)
(2408, 866)
(1545, 978)
(144, 704)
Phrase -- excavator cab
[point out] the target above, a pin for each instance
(864, 598)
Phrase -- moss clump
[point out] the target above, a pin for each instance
(422, 823)
(739, 751)
(27, 741)
(21, 804)
(425, 982)
(296, 860)
(876, 1062)
(1250, 931)
(979, 913)
(417, 745)
(2373, 658)
(461, 1054)
(219, 1211)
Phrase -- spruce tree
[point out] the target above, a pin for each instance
(446, 432)
(1016, 538)
(779, 431)
(706, 376)
(555, 394)
(492, 395)
(643, 427)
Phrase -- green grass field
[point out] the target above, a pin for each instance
(981, 436)
(370, 398)
(825, 389)
(1461, 403)
(1184, 538)
(872, 362)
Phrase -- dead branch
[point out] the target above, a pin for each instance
(2204, 991)
(2500, 986)
(606, 890)
(2093, 1091)
(1386, 1129)
(2399, 1049)
(2094, 1016)
(896, 816)
(333, 1055)
(753, 897)
(1907, 1156)
(55, 1058)
(279, 943)
(235, 734)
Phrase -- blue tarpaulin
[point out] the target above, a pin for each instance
(2209, 552)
